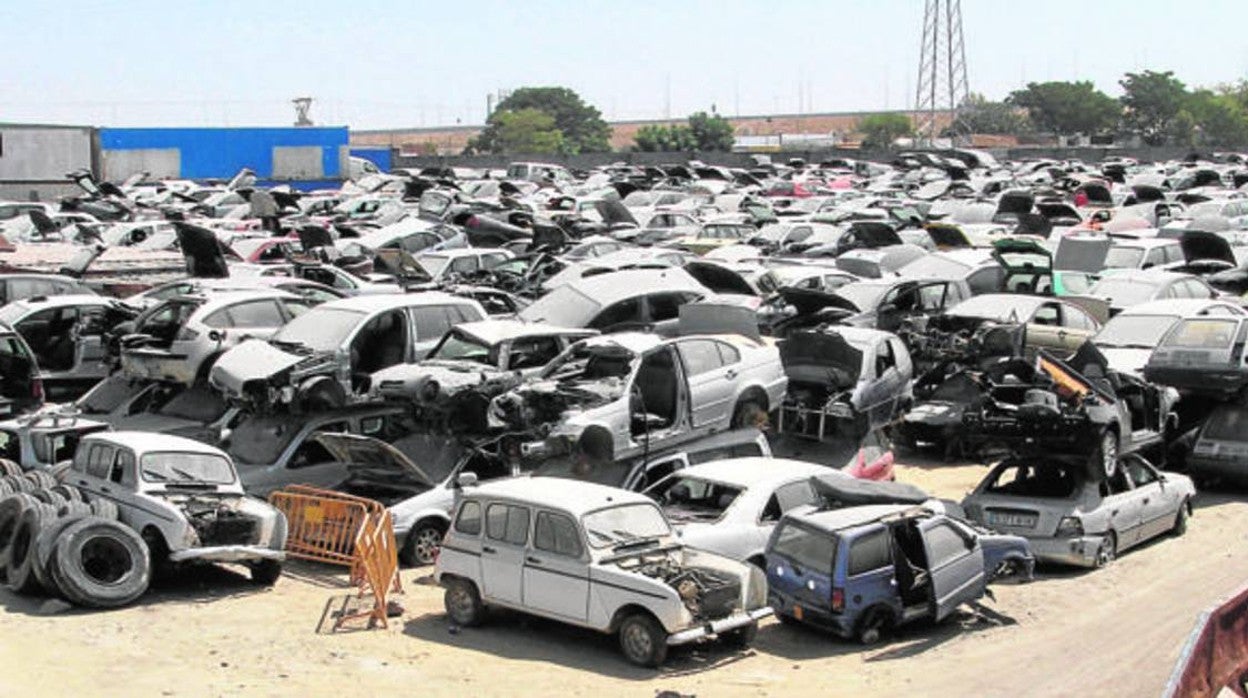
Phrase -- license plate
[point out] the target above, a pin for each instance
(797, 611)
(1019, 520)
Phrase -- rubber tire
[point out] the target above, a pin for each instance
(1110, 539)
(69, 492)
(8, 467)
(410, 553)
(72, 508)
(472, 611)
(6, 487)
(1107, 471)
(265, 572)
(644, 624)
(1180, 520)
(20, 567)
(80, 586)
(45, 548)
(11, 509)
(104, 509)
(22, 484)
(41, 479)
(872, 626)
(742, 637)
(748, 413)
(47, 496)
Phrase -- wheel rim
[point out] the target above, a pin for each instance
(426, 544)
(637, 641)
(1109, 453)
(105, 560)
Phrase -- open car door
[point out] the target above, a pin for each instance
(955, 562)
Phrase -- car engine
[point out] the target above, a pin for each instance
(706, 592)
(218, 522)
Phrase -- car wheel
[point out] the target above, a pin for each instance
(463, 603)
(1107, 551)
(1108, 452)
(872, 626)
(742, 637)
(748, 413)
(642, 640)
(422, 544)
(786, 619)
(101, 564)
(266, 572)
(1180, 519)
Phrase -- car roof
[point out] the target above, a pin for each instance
(1175, 306)
(62, 300)
(150, 442)
(573, 496)
(753, 471)
(494, 331)
(849, 517)
(374, 302)
(858, 335)
(1145, 242)
(1149, 276)
(216, 298)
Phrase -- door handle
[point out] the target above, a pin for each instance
(105, 490)
(533, 560)
(487, 549)
(730, 374)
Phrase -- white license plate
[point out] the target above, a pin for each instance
(1018, 520)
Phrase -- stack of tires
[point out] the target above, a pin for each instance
(53, 540)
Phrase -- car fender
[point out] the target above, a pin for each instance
(612, 589)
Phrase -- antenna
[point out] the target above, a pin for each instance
(302, 106)
(943, 86)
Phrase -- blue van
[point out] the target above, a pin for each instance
(861, 571)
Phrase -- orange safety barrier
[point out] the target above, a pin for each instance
(342, 529)
(1215, 656)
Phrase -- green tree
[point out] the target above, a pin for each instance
(1067, 108)
(712, 132)
(525, 131)
(581, 125)
(978, 115)
(665, 139)
(881, 130)
(1152, 102)
(1221, 117)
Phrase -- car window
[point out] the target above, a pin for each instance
(469, 520)
(943, 543)
(1196, 289)
(700, 356)
(785, 498)
(1046, 314)
(532, 352)
(1076, 319)
(932, 297)
(1117, 483)
(1139, 473)
(1154, 257)
(666, 306)
(728, 354)
(1173, 253)
(986, 280)
(622, 312)
(812, 550)
(507, 523)
(463, 265)
(99, 460)
(219, 319)
(884, 358)
(263, 313)
(431, 322)
(556, 533)
(1074, 282)
(869, 552)
(123, 468)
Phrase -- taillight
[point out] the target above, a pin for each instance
(36, 389)
(186, 334)
(838, 599)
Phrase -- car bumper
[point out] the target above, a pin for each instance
(1222, 381)
(157, 365)
(1233, 469)
(715, 627)
(1079, 551)
(227, 553)
(838, 623)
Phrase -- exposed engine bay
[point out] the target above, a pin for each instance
(217, 520)
(706, 592)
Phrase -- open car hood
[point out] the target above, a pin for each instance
(1199, 245)
(809, 300)
(1015, 203)
(823, 349)
(873, 234)
(205, 259)
(613, 212)
(1081, 253)
(368, 452)
(948, 237)
(82, 260)
(314, 236)
(850, 491)
(719, 278)
(1007, 249)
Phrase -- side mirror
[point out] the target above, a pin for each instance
(465, 480)
(217, 335)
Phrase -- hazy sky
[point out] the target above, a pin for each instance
(386, 64)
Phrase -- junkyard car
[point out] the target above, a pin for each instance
(862, 571)
(1220, 452)
(324, 358)
(597, 557)
(1203, 356)
(184, 498)
(1129, 338)
(21, 387)
(66, 336)
(617, 300)
(44, 439)
(1073, 519)
(1056, 325)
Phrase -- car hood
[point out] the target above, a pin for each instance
(1005, 250)
(818, 353)
(947, 237)
(252, 360)
(719, 278)
(366, 452)
(202, 251)
(1199, 245)
(1082, 253)
(1126, 360)
(809, 300)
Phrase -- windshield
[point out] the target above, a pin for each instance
(321, 329)
(1202, 334)
(624, 524)
(1047, 480)
(1122, 292)
(460, 347)
(694, 499)
(197, 404)
(261, 440)
(175, 467)
(1123, 257)
(1134, 331)
(1227, 424)
(805, 548)
(565, 306)
(432, 263)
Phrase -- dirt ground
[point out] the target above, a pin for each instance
(1115, 632)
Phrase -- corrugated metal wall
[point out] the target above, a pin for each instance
(297, 154)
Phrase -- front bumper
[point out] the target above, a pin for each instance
(227, 553)
(1221, 381)
(1233, 469)
(1079, 551)
(715, 627)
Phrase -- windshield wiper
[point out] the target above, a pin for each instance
(606, 537)
(155, 475)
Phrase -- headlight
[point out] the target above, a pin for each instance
(1069, 526)
(429, 392)
(840, 410)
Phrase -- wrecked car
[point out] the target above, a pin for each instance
(1030, 268)
(21, 387)
(597, 557)
(843, 381)
(862, 571)
(324, 358)
(1071, 518)
(1057, 325)
(1202, 356)
(1220, 453)
(883, 304)
(1128, 339)
(43, 439)
(184, 498)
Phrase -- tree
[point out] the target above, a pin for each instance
(1153, 101)
(1067, 107)
(711, 132)
(1221, 117)
(580, 125)
(665, 139)
(979, 115)
(880, 130)
(525, 131)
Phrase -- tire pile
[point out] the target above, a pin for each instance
(54, 540)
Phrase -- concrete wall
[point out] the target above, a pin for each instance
(35, 159)
(311, 153)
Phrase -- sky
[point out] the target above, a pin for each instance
(370, 64)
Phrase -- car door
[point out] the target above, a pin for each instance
(91, 469)
(503, 551)
(1044, 330)
(91, 358)
(786, 498)
(881, 394)
(1121, 508)
(869, 576)
(556, 573)
(1157, 506)
(955, 563)
(711, 383)
(1076, 328)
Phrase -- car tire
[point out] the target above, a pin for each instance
(1107, 453)
(104, 509)
(463, 603)
(69, 492)
(41, 479)
(22, 484)
(872, 626)
(742, 637)
(20, 566)
(1107, 551)
(642, 640)
(8, 467)
(266, 572)
(1180, 519)
(102, 563)
(47, 496)
(749, 413)
(421, 546)
(11, 509)
(45, 548)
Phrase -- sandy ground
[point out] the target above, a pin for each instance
(1115, 632)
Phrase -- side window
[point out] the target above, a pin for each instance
(464, 265)
(699, 356)
(986, 280)
(787, 497)
(943, 543)
(219, 319)
(507, 523)
(932, 297)
(431, 322)
(884, 358)
(870, 552)
(556, 533)
(489, 261)
(533, 352)
(901, 355)
(1046, 314)
(99, 461)
(1076, 282)
(666, 306)
(1076, 319)
(658, 471)
(296, 308)
(799, 234)
(624, 311)
(469, 520)
(1173, 253)
(728, 354)
(1139, 473)
(1154, 257)
(123, 468)
(1116, 484)
(257, 314)
(1196, 289)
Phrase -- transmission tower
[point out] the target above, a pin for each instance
(942, 70)
(302, 106)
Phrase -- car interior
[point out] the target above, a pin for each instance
(655, 393)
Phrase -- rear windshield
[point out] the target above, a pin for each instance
(804, 547)
(1230, 424)
(1046, 480)
(1202, 334)
(694, 499)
